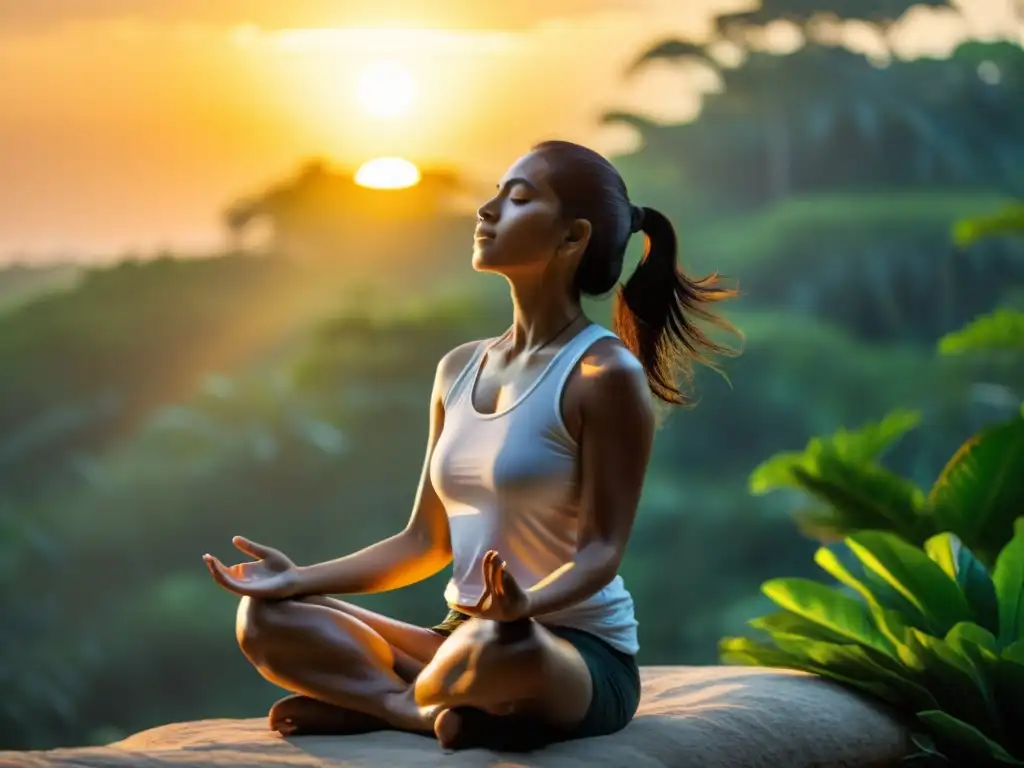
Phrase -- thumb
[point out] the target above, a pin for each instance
(258, 551)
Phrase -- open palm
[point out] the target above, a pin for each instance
(271, 575)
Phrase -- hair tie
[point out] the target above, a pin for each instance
(636, 223)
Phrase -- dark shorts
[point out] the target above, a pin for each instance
(614, 674)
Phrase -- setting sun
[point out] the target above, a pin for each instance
(385, 89)
(388, 173)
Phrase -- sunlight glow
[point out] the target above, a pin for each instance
(388, 173)
(385, 89)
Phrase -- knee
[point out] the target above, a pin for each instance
(258, 621)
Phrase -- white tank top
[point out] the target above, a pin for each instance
(508, 481)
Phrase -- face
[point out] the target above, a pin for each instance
(520, 231)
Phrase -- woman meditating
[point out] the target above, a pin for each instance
(538, 444)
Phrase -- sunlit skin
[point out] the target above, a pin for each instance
(352, 668)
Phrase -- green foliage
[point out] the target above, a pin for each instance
(1009, 220)
(879, 12)
(977, 496)
(980, 491)
(21, 283)
(877, 263)
(824, 184)
(933, 634)
(1002, 329)
(860, 446)
(842, 179)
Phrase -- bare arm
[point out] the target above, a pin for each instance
(616, 434)
(423, 547)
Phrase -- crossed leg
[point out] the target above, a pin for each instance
(353, 669)
(350, 669)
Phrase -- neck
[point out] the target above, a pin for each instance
(538, 313)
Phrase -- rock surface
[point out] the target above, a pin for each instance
(690, 717)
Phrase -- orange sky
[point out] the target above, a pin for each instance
(122, 129)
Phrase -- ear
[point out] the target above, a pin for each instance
(577, 237)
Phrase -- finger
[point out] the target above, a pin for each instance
(492, 562)
(509, 585)
(498, 577)
(485, 570)
(488, 569)
(259, 551)
(219, 573)
(485, 564)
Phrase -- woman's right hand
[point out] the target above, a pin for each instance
(272, 575)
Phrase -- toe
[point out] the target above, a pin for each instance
(447, 728)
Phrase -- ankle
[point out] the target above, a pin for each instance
(402, 711)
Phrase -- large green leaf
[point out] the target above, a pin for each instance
(872, 672)
(963, 741)
(957, 684)
(743, 651)
(891, 610)
(980, 492)
(777, 472)
(787, 623)
(979, 648)
(1014, 652)
(746, 652)
(913, 574)
(967, 634)
(864, 444)
(870, 441)
(846, 616)
(1008, 578)
(864, 496)
(960, 564)
(1000, 329)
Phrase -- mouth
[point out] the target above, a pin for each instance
(483, 234)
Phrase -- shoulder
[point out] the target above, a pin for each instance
(607, 380)
(611, 374)
(452, 364)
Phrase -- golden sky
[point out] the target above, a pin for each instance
(130, 125)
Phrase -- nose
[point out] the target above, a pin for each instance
(485, 213)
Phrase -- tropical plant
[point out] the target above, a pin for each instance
(928, 630)
(976, 497)
(1002, 329)
(1009, 220)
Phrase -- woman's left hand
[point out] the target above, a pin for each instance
(503, 599)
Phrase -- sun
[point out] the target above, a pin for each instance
(385, 89)
(388, 173)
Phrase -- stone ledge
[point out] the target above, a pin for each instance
(690, 717)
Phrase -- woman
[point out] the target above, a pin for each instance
(538, 444)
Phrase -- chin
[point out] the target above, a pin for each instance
(483, 261)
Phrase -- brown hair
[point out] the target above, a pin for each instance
(656, 310)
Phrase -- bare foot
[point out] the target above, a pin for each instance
(499, 729)
(298, 715)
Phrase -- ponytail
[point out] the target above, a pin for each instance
(654, 312)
